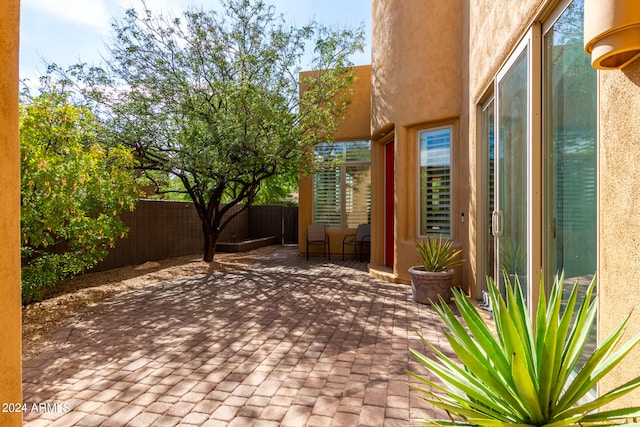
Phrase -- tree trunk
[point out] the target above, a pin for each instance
(210, 238)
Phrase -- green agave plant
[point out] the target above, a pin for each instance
(437, 254)
(524, 375)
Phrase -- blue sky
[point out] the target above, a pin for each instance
(69, 31)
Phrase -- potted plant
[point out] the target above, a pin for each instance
(527, 372)
(433, 279)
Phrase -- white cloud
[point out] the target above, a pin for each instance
(90, 13)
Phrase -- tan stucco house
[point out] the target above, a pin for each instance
(485, 122)
(489, 124)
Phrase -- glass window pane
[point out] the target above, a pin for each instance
(513, 126)
(326, 197)
(358, 195)
(435, 181)
(342, 189)
(358, 151)
(326, 152)
(570, 138)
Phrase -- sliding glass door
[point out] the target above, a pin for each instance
(539, 147)
(510, 225)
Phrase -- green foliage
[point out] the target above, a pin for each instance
(512, 258)
(213, 99)
(73, 191)
(437, 254)
(525, 375)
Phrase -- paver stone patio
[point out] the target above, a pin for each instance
(285, 343)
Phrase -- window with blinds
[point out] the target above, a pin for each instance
(435, 181)
(342, 185)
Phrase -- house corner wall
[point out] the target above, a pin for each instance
(10, 302)
(619, 216)
(416, 83)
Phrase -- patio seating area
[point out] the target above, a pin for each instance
(288, 342)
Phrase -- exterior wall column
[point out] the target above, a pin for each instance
(10, 302)
(416, 57)
(618, 215)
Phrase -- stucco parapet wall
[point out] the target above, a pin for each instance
(357, 120)
(612, 32)
(417, 61)
(495, 27)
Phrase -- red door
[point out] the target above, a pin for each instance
(389, 203)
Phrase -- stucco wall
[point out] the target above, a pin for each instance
(10, 303)
(416, 56)
(619, 216)
(356, 125)
(417, 82)
(495, 28)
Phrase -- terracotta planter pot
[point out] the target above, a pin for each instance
(428, 285)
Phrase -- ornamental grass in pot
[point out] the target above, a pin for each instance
(434, 278)
(527, 372)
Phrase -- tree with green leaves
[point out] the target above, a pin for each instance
(213, 99)
(73, 190)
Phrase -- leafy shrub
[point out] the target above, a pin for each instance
(73, 189)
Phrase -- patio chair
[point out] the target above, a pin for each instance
(316, 235)
(358, 240)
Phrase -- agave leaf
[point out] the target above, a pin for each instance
(444, 423)
(541, 321)
(606, 399)
(486, 422)
(602, 370)
(489, 353)
(526, 387)
(546, 344)
(566, 376)
(471, 384)
(471, 390)
(562, 367)
(453, 404)
(493, 391)
(594, 370)
(456, 378)
(616, 414)
(497, 382)
(520, 314)
(456, 328)
(456, 410)
(512, 338)
(448, 398)
(522, 324)
(481, 332)
(437, 254)
(565, 422)
(578, 338)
